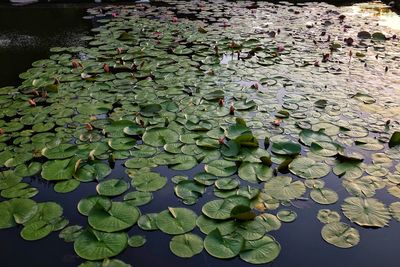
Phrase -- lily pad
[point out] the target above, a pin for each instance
(96, 245)
(260, 251)
(340, 235)
(223, 247)
(186, 245)
(175, 221)
(366, 211)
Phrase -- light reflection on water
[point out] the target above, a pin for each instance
(379, 12)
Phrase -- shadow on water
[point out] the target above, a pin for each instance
(26, 35)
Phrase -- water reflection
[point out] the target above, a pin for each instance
(379, 12)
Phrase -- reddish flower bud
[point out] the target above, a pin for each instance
(75, 64)
(221, 140)
(89, 127)
(277, 122)
(106, 68)
(231, 110)
(32, 102)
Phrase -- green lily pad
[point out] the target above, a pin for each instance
(288, 148)
(70, 233)
(96, 245)
(112, 187)
(148, 222)
(221, 209)
(66, 186)
(186, 245)
(221, 168)
(324, 196)
(138, 198)
(16, 211)
(149, 181)
(85, 205)
(160, 136)
(340, 235)
(56, 170)
(307, 137)
(260, 251)
(223, 246)
(328, 216)
(136, 241)
(282, 188)
(119, 217)
(175, 221)
(394, 139)
(308, 168)
(286, 216)
(366, 211)
(394, 209)
(36, 230)
(62, 151)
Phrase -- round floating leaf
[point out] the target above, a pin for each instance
(189, 191)
(61, 151)
(260, 251)
(112, 187)
(288, 148)
(307, 137)
(21, 190)
(221, 168)
(36, 230)
(325, 149)
(55, 170)
(136, 241)
(340, 235)
(255, 172)
(176, 221)
(70, 233)
(308, 168)
(96, 245)
(16, 211)
(86, 205)
(221, 209)
(227, 183)
(324, 196)
(138, 198)
(92, 171)
(119, 217)
(286, 216)
(282, 188)
(186, 245)
(207, 225)
(149, 181)
(394, 209)
(251, 230)
(8, 179)
(24, 171)
(328, 216)
(148, 222)
(66, 186)
(223, 247)
(366, 211)
(160, 136)
(270, 221)
(138, 163)
(122, 143)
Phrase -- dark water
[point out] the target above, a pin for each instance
(26, 34)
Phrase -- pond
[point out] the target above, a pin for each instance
(199, 133)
